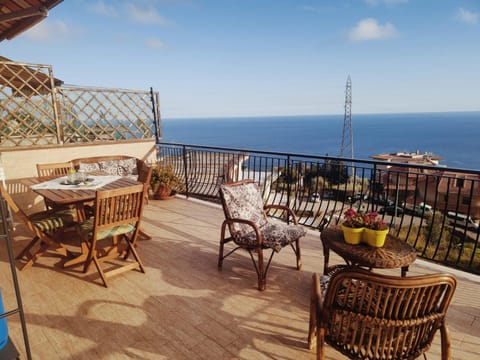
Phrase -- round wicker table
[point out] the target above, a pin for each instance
(394, 254)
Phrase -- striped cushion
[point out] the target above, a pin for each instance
(86, 230)
(52, 220)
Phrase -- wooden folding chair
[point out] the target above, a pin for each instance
(45, 225)
(54, 170)
(117, 217)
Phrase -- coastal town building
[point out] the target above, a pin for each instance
(416, 158)
(443, 189)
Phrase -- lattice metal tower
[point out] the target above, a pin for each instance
(346, 149)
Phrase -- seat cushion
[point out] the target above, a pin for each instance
(86, 230)
(275, 236)
(53, 220)
(244, 202)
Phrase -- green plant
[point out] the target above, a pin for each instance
(163, 175)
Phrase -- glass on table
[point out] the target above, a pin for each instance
(72, 177)
(81, 176)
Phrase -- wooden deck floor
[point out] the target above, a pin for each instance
(183, 307)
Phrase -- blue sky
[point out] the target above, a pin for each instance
(223, 58)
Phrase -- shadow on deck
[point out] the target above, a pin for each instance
(183, 307)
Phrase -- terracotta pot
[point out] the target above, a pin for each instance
(163, 193)
(352, 236)
(375, 238)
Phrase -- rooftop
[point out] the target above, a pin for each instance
(183, 307)
(416, 157)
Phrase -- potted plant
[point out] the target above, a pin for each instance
(375, 230)
(352, 226)
(163, 182)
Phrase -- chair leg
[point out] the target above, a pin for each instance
(135, 255)
(222, 244)
(445, 341)
(299, 255)
(26, 249)
(100, 271)
(43, 249)
(262, 276)
(312, 325)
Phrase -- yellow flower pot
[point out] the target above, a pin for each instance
(352, 236)
(375, 238)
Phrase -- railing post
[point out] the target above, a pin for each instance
(289, 178)
(185, 168)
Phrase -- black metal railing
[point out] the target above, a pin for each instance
(435, 209)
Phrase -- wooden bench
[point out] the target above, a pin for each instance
(143, 170)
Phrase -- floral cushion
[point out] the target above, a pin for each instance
(122, 167)
(89, 167)
(243, 201)
(275, 236)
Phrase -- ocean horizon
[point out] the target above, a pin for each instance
(453, 136)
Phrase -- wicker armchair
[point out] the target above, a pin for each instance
(252, 230)
(372, 316)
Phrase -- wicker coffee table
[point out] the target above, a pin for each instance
(394, 254)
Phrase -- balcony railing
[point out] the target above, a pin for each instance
(433, 208)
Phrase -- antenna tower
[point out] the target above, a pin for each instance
(346, 149)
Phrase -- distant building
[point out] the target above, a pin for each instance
(448, 190)
(416, 158)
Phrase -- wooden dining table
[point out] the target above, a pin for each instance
(75, 195)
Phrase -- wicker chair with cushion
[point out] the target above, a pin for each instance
(372, 316)
(251, 229)
(45, 225)
(117, 217)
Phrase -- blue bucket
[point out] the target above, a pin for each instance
(3, 326)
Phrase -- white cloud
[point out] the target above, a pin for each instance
(386, 2)
(145, 15)
(48, 31)
(467, 16)
(370, 29)
(101, 8)
(154, 43)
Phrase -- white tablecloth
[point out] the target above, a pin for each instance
(60, 183)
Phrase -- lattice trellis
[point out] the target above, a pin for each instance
(104, 114)
(36, 110)
(27, 105)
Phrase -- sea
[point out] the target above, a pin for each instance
(454, 136)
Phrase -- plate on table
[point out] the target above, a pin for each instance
(66, 182)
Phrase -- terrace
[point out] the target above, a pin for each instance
(183, 307)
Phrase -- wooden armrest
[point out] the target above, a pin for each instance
(247, 222)
(285, 208)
